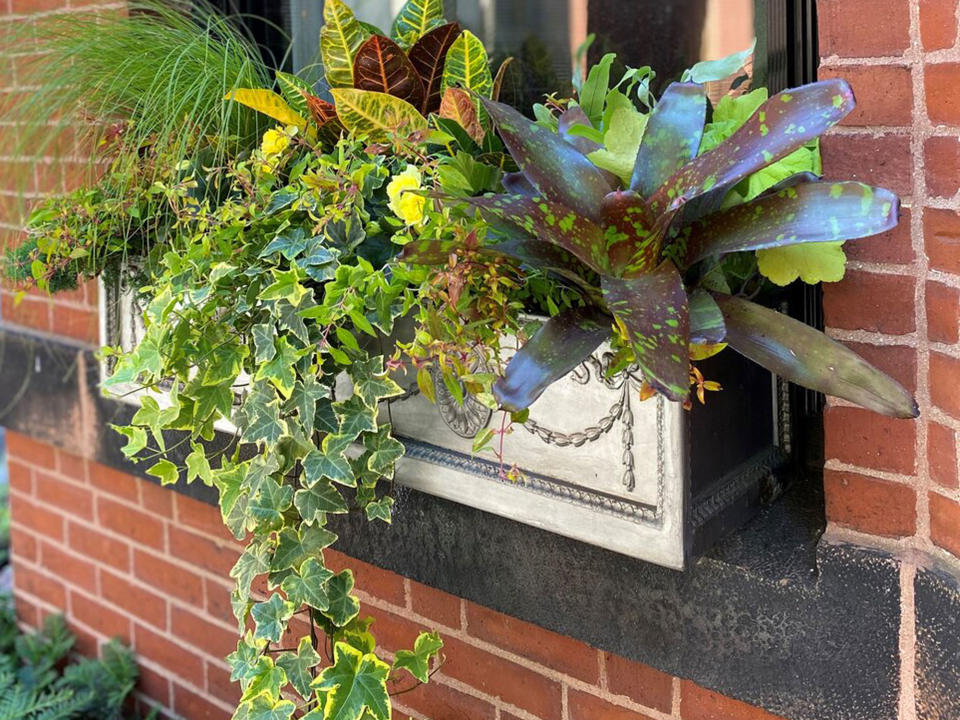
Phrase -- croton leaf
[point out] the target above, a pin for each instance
(467, 66)
(415, 19)
(294, 91)
(784, 123)
(805, 356)
(672, 136)
(428, 56)
(551, 222)
(381, 65)
(562, 343)
(552, 165)
(340, 38)
(458, 106)
(375, 114)
(653, 310)
(570, 118)
(811, 213)
(269, 103)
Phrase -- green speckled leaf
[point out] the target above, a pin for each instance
(563, 342)
(340, 38)
(706, 320)
(810, 213)
(467, 66)
(415, 19)
(672, 136)
(653, 309)
(375, 114)
(784, 123)
(802, 355)
(557, 169)
(631, 237)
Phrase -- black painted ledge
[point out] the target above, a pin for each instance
(774, 615)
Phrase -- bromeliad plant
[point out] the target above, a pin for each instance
(644, 248)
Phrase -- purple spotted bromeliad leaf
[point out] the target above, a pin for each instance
(781, 125)
(706, 318)
(563, 342)
(516, 183)
(807, 357)
(816, 212)
(672, 137)
(574, 115)
(553, 166)
(630, 232)
(653, 308)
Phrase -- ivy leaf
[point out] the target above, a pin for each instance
(297, 666)
(289, 317)
(355, 683)
(343, 607)
(285, 286)
(254, 561)
(166, 471)
(264, 707)
(372, 383)
(268, 506)
(280, 370)
(332, 465)
(271, 617)
(244, 661)
(318, 499)
(156, 418)
(229, 481)
(136, 439)
(304, 399)
(266, 682)
(813, 263)
(295, 548)
(340, 38)
(259, 471)
(198, 466)
(263, 337)
(263, 423)
(309, 586)
(289, 243)
(415, 19)
(417, 661)
(384, 449)
(355, 417)
(381, 509)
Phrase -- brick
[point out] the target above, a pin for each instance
(871, 301)
(219, 684)
(31, 6)
(697, 703)
(195, 706)
(27, 612)
(944, 385)
(74, 499)
(153, 684)
(884, 93)
(136, 599)
(584, 706)
(194, 630)
(436, 700)
(942, 165)
(156, 499)
(436, 605)
(114, 482)
(945, 523)
(942, 455)
(22, 544)
(87, 642)
(212, 555)
(38, 519)
(850, 28)
(885, 160)
(30, 312)
(644, 685)
(20, 477)
(102, 548)
(943, 101)
(529, 641)
(495, 676)
(941, 234)
(129, 522)
(897, 361)
(169, 578)
(170, 655)
(28, 450)
(202, 516)
(870, 505)
(943, 313)
(79, 324)
(96, 616)
(218, 600)
(72, 466)
(393, 632)
(370, 579)
(866, 439)
(938, 24)
(69, 568)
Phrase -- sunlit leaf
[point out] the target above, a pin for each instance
(415, 18)
(417, 661)
(294, 91)
(355, 683)
(623, 131)
(270, 104)
(467, 66)
(458, 106)
(340, 38)
(813, 263)
(376, 115)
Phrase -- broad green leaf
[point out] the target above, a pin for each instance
(558, 170)
(707, 71)
(356, 683)
(563, 342)
(415, 18)
(808, 213)
(377, 115)
(343, 607)
(320, 498)
(295, 548)
(271, 617)
(729, 114)
(594, 91)
(672, 136)
(308, 586)
(813, 263)
(166, 471)
(136, 439)
(340, 38)
(651, 308)
(417, 661)
(428, 55)
(798, 353)
(294, 91)
(270, 104)
(297, 666)
(333, 466)
(623, 129)
(467, 66)
(381, 65)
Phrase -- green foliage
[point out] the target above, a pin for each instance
(37, 683)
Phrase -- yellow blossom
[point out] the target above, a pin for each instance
(406, 205)
(274, 142)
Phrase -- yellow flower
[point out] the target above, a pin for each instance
(274, 142)
(406, 205)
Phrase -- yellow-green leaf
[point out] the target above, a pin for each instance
(415, 18)
(376, 114)
(293, 89)
(812, 263)
(269, 103)
(340, 38)
(468, 67)
(623, 128)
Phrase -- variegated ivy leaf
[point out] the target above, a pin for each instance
(340, 38)
(356, 417)
(253, 562)
(295, 548)
(356, 683)
(381, 509)
(234, 494)
(343, 607)
(316, 501)
(372, 383)
(267, 681)
(330, 464)
(267, 506)
(308, 586)
(298, 664)
(243, 661)
(264, 707)
(271, 617)
(261, 416)
(417, 661)
(384, 450)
